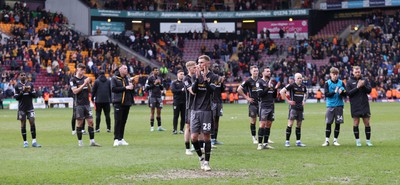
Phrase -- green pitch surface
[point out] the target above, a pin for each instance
(159, 158)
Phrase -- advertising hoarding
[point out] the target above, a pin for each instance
(295, 28)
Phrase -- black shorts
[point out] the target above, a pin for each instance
(217, 109)
(83, 112)
(200, 121)
(253, 111)
(365, 115)
(334, 114)
(267, 114)
(155, 102)
(22, 115)
(295, 114)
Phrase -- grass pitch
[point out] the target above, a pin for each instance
(158, 157)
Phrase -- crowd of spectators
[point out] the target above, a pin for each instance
(40, 40)
(216, 5)
(377, 53)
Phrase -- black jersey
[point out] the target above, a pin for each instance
(297, 93)
(154, 90)
(358, 96)
(203, 90)
(189, 97)
(25, 98)
(218, 88)
(82, 98)
(249, 86)
(178, 89)
(266, 94)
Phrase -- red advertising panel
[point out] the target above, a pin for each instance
(295, 28)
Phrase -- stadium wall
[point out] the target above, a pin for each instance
(78, 13)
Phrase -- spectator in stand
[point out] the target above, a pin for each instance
(9, 92)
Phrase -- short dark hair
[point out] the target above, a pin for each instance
(252, 67)
(180, 70)
(265, 68)
(81, 66)
(154, 68)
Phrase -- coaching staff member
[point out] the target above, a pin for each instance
(178, 89)
(122, 98)
(101, 95)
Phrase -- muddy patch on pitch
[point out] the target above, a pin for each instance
(195, 174)
(340, 180)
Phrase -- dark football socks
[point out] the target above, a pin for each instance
(253, 129)
(356, 132)
(337, 130)
(288, 133)
(23, 132)
(152, 122)
(368, 133)
(298, 133)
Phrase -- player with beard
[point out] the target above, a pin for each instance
(24, 94)
(358, 89)
(266, 89)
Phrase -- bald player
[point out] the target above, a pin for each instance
(297, 98)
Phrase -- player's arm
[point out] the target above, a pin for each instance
(305, 96)
(174, 88)
(188, 86)
(283, 94)
(161, 86)
(275, 93)
(33, 93)
(241, 92)
(342, 91)
(351, 89)
(195, 85)
(327, 93)
(213, 82)
(149, 84)
(18, 94)
(367, 87)
(76, 89)
(223, 86)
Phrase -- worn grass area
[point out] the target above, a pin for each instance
(158, 157)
